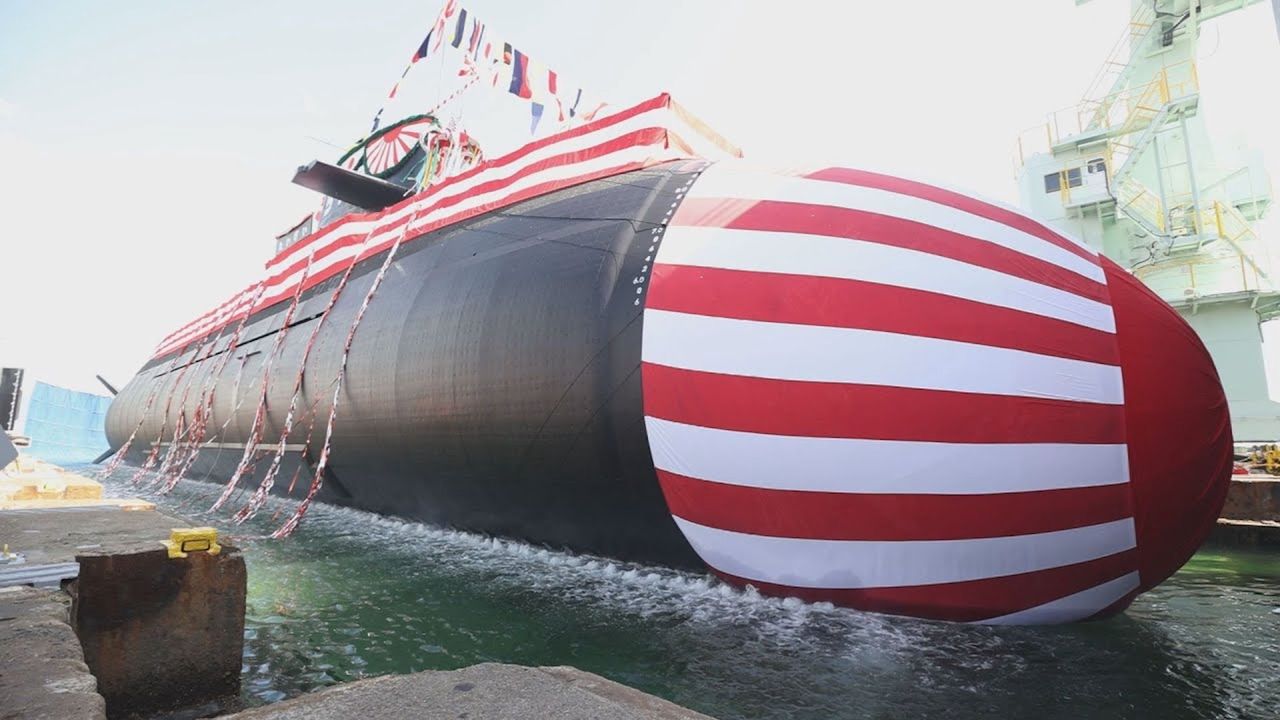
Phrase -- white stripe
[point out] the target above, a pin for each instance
(823, 256)
(658, 117)
(636, 153)
(1078, 606)
(228, 309)
(235, 303)
(805, 563)
(814, 353)
(880, 466)
(943, 184)
(558, 173)
(732, 180)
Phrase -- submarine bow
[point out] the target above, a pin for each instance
(836, 384)
(890, 395)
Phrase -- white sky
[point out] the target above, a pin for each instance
(146, 147)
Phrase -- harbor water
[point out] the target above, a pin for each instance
(353, 595)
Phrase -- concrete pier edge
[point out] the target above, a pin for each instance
(43, 675)
(488, 691)
(143, 599)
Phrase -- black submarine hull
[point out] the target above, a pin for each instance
(493, 385)
(830, 384)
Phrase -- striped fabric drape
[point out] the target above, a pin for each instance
(885, 394)
(652, 132)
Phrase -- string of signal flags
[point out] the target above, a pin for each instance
(461, 34)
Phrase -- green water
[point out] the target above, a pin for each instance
(353, 595)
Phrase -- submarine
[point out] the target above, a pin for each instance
(622, 339)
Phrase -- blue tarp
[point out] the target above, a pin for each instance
(66, 426)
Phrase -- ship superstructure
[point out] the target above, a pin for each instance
(1130, 169)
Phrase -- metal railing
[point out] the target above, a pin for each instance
(1199, 285)
(1236, 230)
(1138, 202)
(1215, 274)
(1115, 69)
(1117, 114)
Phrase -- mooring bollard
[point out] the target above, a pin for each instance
(163, 629)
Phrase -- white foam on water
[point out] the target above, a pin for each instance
(731, 652)
(599, 583)
(640, 590)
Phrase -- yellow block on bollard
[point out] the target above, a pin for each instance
(187, 540)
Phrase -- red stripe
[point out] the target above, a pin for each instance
(789, 217)
(821, 409)
(239, 297)
(607, 121)
(965, 601)
(236, 300)
(328, 249)
(333, 232)
(185, 336)
(836, 302)
(637, 138)
(650, 136)
(885, 516)
(1178, 425)
(520, 196)
(530, 192)
(924, 191)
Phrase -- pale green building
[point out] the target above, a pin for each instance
(1131, 170)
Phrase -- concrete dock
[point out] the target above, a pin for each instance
(102, 619)
(1251, 514)
(490, 691)
(119, 626)
(142, 642)
(43, 675)
(57, 535)
(30, 484)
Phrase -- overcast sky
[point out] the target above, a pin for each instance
(146, 147)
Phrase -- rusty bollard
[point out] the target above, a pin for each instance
(163, 629)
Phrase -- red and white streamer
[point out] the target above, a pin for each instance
(260, 414)
(318, 479)
(653, 132)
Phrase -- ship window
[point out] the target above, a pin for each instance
(1073, 178)
(1053, 182)
(1097, 165)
